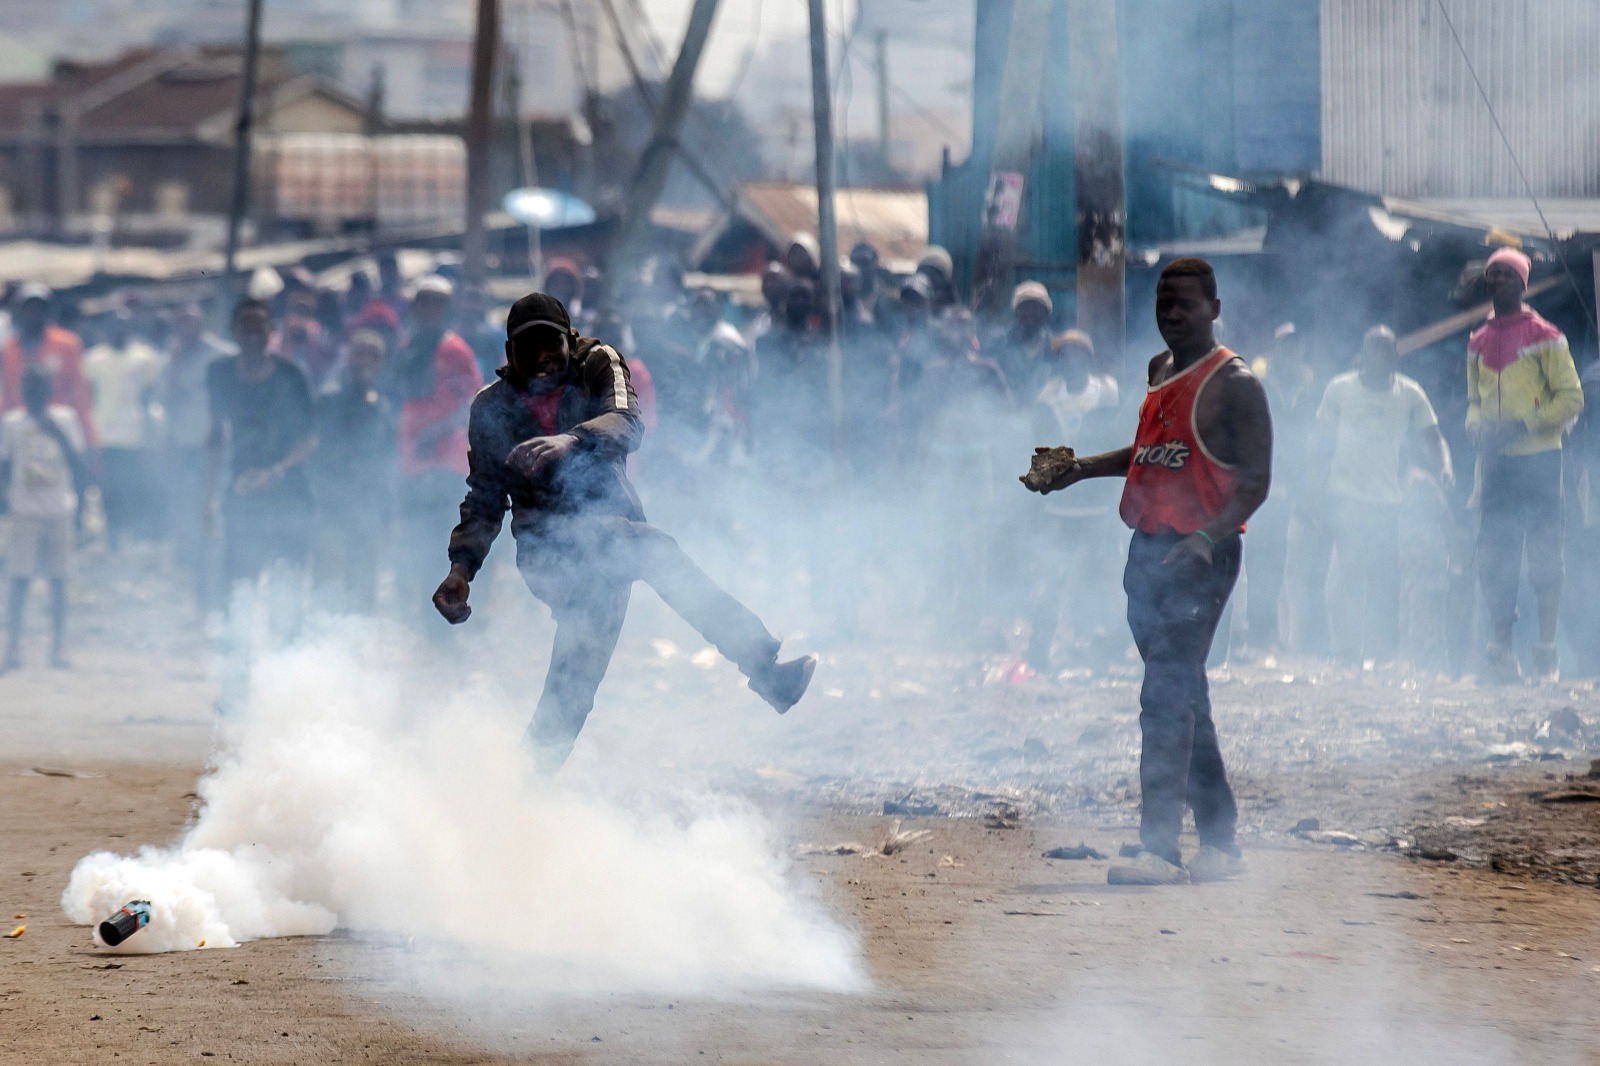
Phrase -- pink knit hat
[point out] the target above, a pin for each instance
(1515, 260)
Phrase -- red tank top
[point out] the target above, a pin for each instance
(1174, 484)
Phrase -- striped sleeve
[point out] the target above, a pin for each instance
(616, 423)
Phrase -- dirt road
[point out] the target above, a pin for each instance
(979, 951)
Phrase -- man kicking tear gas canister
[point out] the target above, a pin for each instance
(549, 440)
(1199, 466)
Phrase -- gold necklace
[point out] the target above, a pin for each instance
(1162, 405)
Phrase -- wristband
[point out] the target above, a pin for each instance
(1207, 536)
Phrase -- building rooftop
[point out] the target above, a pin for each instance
(895, 221)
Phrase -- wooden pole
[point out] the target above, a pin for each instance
(881, 62)
(827, 226)
(480, 140)
(1097, 162)
(239, 204)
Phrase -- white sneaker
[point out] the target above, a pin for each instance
(1214, 864)
(1147, 868)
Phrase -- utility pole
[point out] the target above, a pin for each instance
(881, 58)
(827, 227)
(651, 176)
(67, 191)
(242, 133)
(1102, 207)
(527, 168)
(480, 139)
(376, 92)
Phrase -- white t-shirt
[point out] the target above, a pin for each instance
(41, 477)
(1069, 407)
(1370, 429)
(1068, 410)
(122, 382)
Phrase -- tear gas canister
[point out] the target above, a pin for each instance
(126, 922)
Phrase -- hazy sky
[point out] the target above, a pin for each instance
(740, 23)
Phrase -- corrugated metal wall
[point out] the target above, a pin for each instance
(1401, 116)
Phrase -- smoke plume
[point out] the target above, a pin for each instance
(351, 795)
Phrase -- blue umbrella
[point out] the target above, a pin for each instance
(547, 208)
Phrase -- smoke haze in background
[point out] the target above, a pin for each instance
(352, 795)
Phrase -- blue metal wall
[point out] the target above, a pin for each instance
(1220, 85)
(1277, 85)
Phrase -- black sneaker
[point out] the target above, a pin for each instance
(1546, 661)
(1500, 666)
(782, 684)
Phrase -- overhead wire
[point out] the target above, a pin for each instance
(569, 20)
(846, 78)
(647, 96)
(844, 89)
(651, 39)
(749, 53)
(694, 121)
(1483, 93)
(915, 105)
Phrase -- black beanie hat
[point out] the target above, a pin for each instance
(537, 309)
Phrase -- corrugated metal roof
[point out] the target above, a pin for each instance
(684, 219)
(1566, 216)
(894, 221)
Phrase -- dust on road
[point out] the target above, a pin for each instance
(979, 950)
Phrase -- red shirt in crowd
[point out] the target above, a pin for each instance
(433, 428)
(61, 351)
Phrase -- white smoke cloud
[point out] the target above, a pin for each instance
(353, 796)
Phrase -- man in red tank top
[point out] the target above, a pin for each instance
(1199, 466)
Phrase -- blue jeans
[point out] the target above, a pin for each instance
(583, 567)
(1173, 612)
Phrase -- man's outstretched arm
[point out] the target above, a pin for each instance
(1056, 468)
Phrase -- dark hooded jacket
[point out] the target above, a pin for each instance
(595, 403)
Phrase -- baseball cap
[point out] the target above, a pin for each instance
(439, 286)
(1034, 291)
(537, 309)
(1072, 338)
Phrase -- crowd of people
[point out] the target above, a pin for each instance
(1398, 511)
(321, 434)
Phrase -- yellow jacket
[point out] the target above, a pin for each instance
(1519, 369)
